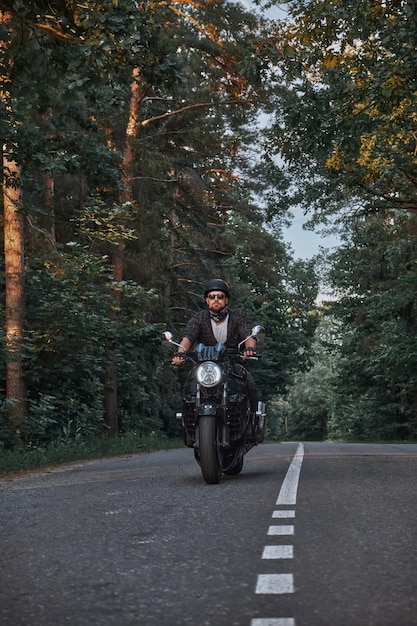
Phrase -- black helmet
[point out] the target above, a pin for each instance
(217, 284)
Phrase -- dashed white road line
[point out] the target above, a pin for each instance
(278, 552)
(275, 583)
(281, 530)
(281, 583)
(283, 514)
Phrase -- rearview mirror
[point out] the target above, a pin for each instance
(259, 332)
(167, 339)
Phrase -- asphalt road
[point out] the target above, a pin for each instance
(307, 535)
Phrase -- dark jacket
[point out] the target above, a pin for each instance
(199, 330)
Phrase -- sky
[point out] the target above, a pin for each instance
(306, 243)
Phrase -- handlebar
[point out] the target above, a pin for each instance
(232, 354)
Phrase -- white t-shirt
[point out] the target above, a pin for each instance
(220, 330)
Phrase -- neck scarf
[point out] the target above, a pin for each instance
(220, 316)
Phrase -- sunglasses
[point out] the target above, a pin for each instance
(219, 296)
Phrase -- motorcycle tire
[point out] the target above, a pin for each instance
(209, 453)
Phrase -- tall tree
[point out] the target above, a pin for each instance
(194, 37)
(169, 142)
(375, 380)
(136, 132)
(15, 293)
(345, 130)
(13, 248)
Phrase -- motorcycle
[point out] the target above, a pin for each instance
(216, 418)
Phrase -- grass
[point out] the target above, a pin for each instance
(55, 454)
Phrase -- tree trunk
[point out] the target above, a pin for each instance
(117, 255)
(15, 295)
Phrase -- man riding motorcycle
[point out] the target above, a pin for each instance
(219, 324)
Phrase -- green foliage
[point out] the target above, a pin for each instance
(377, 366)
(345, 125)
(67, 313)
(290, 320)
(67, 317)
(99, 222)
(305, 408)
(308, 405)
(195, 208)
(341, 146)
(362, 383)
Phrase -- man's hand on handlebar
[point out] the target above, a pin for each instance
(178, 358)
(249, 353)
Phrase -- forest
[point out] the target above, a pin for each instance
(151, 146)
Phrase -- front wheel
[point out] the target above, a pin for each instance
(209, 452)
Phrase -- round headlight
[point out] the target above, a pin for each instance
(208, 374)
